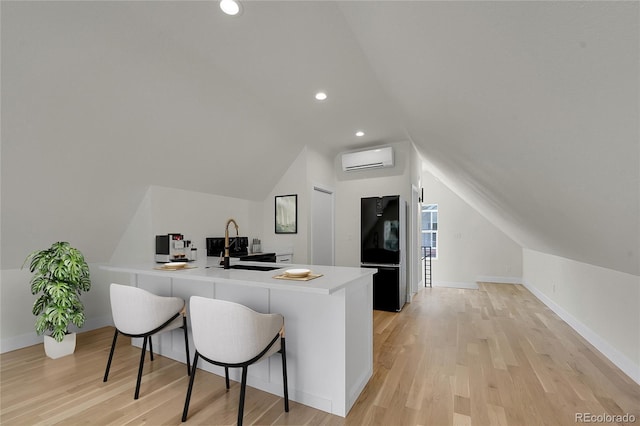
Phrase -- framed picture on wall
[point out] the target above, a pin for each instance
(286, 214)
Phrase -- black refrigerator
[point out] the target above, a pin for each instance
(383, 243)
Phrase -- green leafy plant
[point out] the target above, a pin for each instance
(60, 275)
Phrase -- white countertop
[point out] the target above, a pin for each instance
(334, 277)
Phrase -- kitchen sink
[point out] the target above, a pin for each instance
(254, 267)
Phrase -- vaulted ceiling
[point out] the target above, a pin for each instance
(529, 110)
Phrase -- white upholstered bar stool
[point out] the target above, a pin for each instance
(233, 336)
(138, 313)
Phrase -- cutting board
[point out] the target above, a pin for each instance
(307, 278)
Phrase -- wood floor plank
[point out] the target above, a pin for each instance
(492, 356)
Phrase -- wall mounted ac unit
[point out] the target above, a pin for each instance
(369, 159)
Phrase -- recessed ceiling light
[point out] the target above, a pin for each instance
(359, 133)
(321, 96)
(230, 7)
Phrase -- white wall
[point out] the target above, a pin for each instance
(292, 182)
(197, 215)
(308, 169)
(17, 323)
(351, 186)
(320, 170)
(470, 248)
(601, 304)
(161, 211)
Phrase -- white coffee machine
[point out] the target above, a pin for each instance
(171, 248)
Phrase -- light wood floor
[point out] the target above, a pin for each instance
(493, 356)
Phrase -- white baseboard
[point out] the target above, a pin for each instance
(94, 323)
(454, 284)
(29, 339)
(621, 361)
(499, 280)
(18, 342)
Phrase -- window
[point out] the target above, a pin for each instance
(430, 228)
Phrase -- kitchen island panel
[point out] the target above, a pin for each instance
(315, 339)
(359, 344)
(161, 286)
(256, 299)
(185, 288)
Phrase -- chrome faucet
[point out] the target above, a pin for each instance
(227, 246)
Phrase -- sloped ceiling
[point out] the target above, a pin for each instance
(529, 109)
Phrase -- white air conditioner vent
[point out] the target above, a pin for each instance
(369, 159)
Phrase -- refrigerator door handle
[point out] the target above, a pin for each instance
(380, 265)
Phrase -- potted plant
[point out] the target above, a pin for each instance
(60, 275)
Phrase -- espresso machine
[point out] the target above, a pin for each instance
(171, 248)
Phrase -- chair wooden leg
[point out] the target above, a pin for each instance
(226, 377)
(144, 349)
(243, 391)
(284, 374)
(190, 388)
(113, 347)
(186, 344)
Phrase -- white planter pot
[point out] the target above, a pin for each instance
(55, 349)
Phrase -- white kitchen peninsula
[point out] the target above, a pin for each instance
(328, 320)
